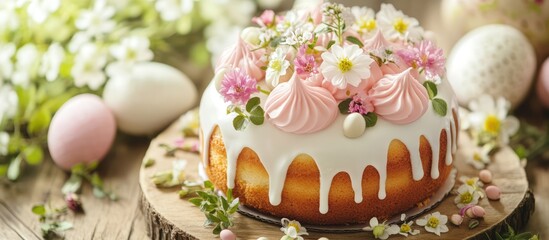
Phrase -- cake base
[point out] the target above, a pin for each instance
(169, 217)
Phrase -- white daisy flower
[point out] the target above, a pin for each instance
(475, 183)
(6, 65)
(4, 142)
(277, 66)
(466, 195)
(406, 227)
(434, 223)
(39, 10)
(480, 157)
(345, 65)
(491, 117)
(171, 10)
(97, 21)
(292, 229)
(51, 61)
(381, 230)
(88, 67)
(365, 21)
(27, 64)
(396, 25)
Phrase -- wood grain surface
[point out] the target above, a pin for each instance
(167, 216)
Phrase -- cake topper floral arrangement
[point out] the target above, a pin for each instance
(309, 66)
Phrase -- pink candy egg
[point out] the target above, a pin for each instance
(493, 192)
(542, 88)
(485, 176)
(227, 234)
(456, 219)
(82, 131)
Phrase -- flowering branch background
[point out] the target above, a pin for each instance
(52, 50)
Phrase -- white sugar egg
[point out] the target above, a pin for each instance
(354, 125)
(82, 131)
(149, 97)
(495, 59)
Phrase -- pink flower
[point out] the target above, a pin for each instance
(305, 64)
(266, 19)
(425, 56)
(237, 87)
(361, 105)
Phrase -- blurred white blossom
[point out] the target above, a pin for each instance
(8, 102)
(88, 67)
(26, 66)
(51, 61)
(98, 20)
(78, 40)
(6, 65)
(4, 141)
(129, 51)
(8, 16)
(171, 10)
(39, 10)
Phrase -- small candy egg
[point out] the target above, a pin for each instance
(456, 219)
(493, 192)
(82, 131)
(475, 212)
(542, 88)
(218, 78)
(227, 234)
(354, 125)
(485, 176)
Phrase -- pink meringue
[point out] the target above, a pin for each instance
(377, 42)
(297, 106)
(399, 98)
(241, 56)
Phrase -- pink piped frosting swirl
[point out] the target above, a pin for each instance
(297, 106)
(399, 98)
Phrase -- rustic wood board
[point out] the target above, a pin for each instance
(169, 217)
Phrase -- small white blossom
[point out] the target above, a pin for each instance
(381, 230)
(9, 20)
(26, 66)
(8, 102)
(39, 10)
(480, 157)
(88, 67)
(132, 49)
(51, 61)
(491, 117)
(171, 10)
(475, 183)
(97, 21)
(406, 227)
(277, 66)
(178, 174)
(299, 36)
(4, 142)
(347, 65)
(434, 223)
(292, 229)
(466, 195)
(396, 25)
(365, 21)
(6, 65)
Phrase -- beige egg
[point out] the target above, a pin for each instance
(354, 125)
(495, 59)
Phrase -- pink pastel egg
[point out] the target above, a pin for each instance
(485, 176)
(493, 192)
(475, 212)
(82, 131)
(542, 88)
(456, 219)
(227, 234)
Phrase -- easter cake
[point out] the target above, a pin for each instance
(330, 115)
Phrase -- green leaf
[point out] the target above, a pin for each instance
(39, 210)
(73, 184)
(252, 103)
(431, 89)
(196, 201)
(149, 162)
(344, 106)
(330, 44)
(39, 121)
(217, 230)
(257, 116)
(355, 41)
(239, 122)
(14, 170)
(208, 185)
(371, 119)
(33, 155)
(440, 106)
(3, 169)
(96, 180)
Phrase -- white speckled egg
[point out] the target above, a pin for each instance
(494, 59)
(354, 125)
(149, 97)
(82, 131)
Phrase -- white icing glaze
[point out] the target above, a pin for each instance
(330, 149)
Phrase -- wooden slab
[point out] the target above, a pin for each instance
(169, 217)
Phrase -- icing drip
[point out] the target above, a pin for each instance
(277, 149)
(399, 98)
(299, 107)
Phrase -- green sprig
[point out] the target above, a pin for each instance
(253, 113)
(51, 224)
(81, 173)
(217, 209)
